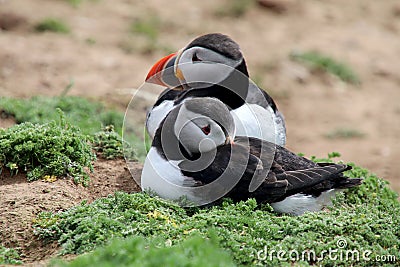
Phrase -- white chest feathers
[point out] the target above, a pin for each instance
(164, 177)
(156, 115)
(255, 121)
(298, 204)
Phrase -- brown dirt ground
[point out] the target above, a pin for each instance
(107, 62)
(21, 201)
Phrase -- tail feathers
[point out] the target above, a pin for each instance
(336, 181)
(348, 183)
(344, 182)
(324, 164)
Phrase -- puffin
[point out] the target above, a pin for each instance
(196, 159)
(213, 65)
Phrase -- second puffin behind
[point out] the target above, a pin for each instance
(212, 65)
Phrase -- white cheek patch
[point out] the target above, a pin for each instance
(212, 69)
(205, 72)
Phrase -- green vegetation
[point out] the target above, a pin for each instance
(137, 251)
(89, 116)
(144, 34)
(108, 143)
(51, 149)
(90, 41)
(147, 141)
(145, 31)
(325, 63)
(9, 256)
(234, 8)
(74, 3)
(344, 133)
(367, 218)
(77, 3)
(52, 25)
(103, 125)
(148, 27)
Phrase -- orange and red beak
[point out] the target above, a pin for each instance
(162, 73)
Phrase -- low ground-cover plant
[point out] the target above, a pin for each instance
(344, 133)
(234, 8)
(109, 143)
(148, 26)
(137, 251)
(77, 3)
(51, 149)
(52, 25)
(9, 256)
(89, 116)
(104, 125)
(325, 63)
(364, 219)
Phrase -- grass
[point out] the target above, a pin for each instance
(108, 143)
(90, 41)
(148, 27)
(9, 256)
(234, 8)
(366, 218)
(327, 64)
(103, 125)
(137, 229)
(137, 251)
(144, 35)
(77, 3)
(145, 31)
(52, 25)
(74, 3)
(47, 147)
(89, 116)
(53, 149)
(344, 133)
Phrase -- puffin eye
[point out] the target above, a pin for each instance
(206, 130)
(195, 58)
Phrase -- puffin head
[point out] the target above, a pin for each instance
(203, 124)
(208, 59)
(199, 125)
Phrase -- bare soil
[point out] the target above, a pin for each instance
(21, 201)
(107, 62)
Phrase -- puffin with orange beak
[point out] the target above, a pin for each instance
(212, 65)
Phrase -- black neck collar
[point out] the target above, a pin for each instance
(232, 91)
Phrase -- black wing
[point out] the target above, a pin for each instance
(301, 175)
(284, 175)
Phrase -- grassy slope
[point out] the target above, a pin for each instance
(9, 256)
(87, 115)
(365, 219)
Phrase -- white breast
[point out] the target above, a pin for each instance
(164, 177)
(156, 115)
(298, 204)
(253, 120)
